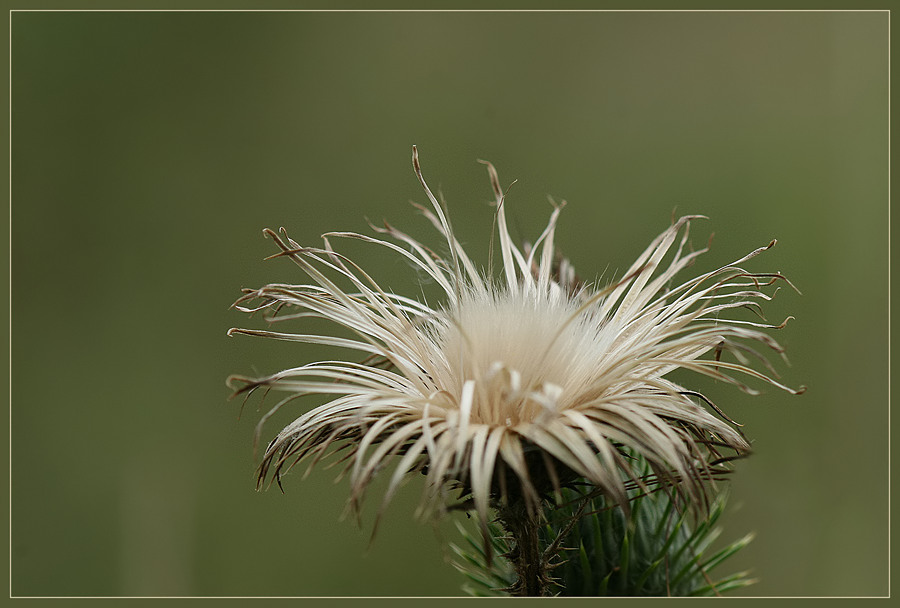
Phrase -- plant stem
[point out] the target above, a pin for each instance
(526, 556)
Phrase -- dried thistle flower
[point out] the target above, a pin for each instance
(515, 386)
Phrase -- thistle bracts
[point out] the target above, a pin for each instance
(598, 549)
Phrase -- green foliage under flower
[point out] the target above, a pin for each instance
(652, 551)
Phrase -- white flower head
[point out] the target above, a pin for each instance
(519, 384)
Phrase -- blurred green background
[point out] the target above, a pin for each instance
(150, 149)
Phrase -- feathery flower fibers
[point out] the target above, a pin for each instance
(517, 385)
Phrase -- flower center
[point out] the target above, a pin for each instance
(525, 353)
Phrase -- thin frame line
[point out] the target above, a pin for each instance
(442, 10)
(536, 11)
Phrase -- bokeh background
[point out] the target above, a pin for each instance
(150, 149)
